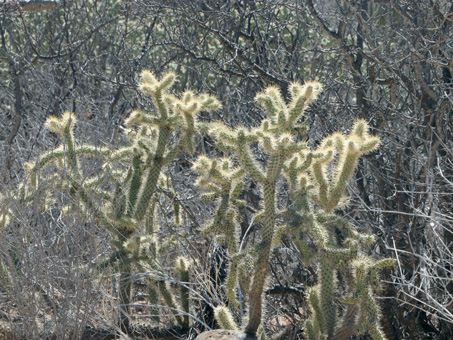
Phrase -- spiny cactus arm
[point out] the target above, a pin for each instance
(290, 172)
(156, 89)
(184, 142)
(231, 230)
(150, 219)
(237, 189)
(224, 318)
(279, 232)
(283, 143)
(245, 269)
(316, 321)
(318, 232)
(148, 250)
(136, 181)
(369, 318)
(267, 141)
(60, 153)
(307, 253)
(183, 266)
(246, 160)
(98, 212)
(299, 187)
(226, 147)
(45, 159)
(217, 172)
(141, 118)
(119, 200)
(302, 194)
(186, 110)
(361, 282)
(153, 298)
(348, 324)
(221, 211)
(307, 160)
(261, 333)
(327, 294)
(210, 197)
(187, 140)
(301, 97)
(376, 334)
(64, 127)
(251, 166)
(374, 280)
(353, 236)
(311, 331)
(350, 150)
(125, 154)
(121, 227)
(385, 263)
(225, 222)
(160, 159)
(225, 137)
(345, 174)
(373, 277)
(94, 151)
(232, 279)
(289, 149)
(272, 102)
(190, 105)
(340, 255)
(154, 164)
(320, 178)
(261, 265)
(169, 300)
(274, 167)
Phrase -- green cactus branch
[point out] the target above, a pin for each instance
(348, 149)
(261, 266)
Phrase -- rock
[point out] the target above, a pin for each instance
(223, 334)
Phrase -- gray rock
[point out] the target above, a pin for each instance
(223, 334)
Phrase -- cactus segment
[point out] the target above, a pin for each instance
(224, 318)
(170, 301)
(341, 153)
(182, 266)
(384, 263)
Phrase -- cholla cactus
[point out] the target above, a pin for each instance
(317, 180)
(129, 202)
